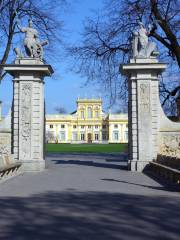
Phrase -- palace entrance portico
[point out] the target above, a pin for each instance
(89, 137)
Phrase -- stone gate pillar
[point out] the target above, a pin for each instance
(28, 117)
(143, 110)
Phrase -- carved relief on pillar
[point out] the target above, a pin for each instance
(170, 145)
(25, 120)
(144, 97)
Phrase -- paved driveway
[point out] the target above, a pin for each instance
(89, 196)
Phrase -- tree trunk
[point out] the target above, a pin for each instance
(7, 50)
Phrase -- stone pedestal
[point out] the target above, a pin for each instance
(28, 117)
(143, 110)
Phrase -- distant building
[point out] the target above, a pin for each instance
(88, 124)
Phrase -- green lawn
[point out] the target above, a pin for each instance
(86, 148)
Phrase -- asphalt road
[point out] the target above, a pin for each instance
(88, 196)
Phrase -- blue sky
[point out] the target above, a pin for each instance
(64, 89)
(70, 85)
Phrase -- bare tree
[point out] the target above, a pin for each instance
(43, 12)
(50, 136)
(107, 40)
(60, 110)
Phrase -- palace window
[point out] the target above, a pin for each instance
(104, 136)
(74, 126)
(82, 126)
(82, 114)
(116, 135)
(89, 112)
(115, 125)
(51, 126)
(96, 114)
(82, 136)
(104, 126)
(96, 136)
(62, 126)
(74, 136)
(96, 126)
(126, 135)
(89, 126)
(62, 136)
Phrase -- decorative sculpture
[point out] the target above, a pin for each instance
(142, 47)
(32, 44)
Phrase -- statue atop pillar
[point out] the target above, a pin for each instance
(142, 47)
(32, 44)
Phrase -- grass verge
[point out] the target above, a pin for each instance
(86, 148)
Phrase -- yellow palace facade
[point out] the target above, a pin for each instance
(88, 124)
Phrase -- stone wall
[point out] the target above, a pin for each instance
(169, 138)
(9, 167)
(169, 144)
(6, 157)
(5, 135)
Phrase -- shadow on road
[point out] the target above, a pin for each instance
(110, 155)
(102, 160)
(165, 186)
(91, 163)
(98, 216)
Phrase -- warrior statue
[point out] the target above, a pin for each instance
(142, 48)
(32, 44)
